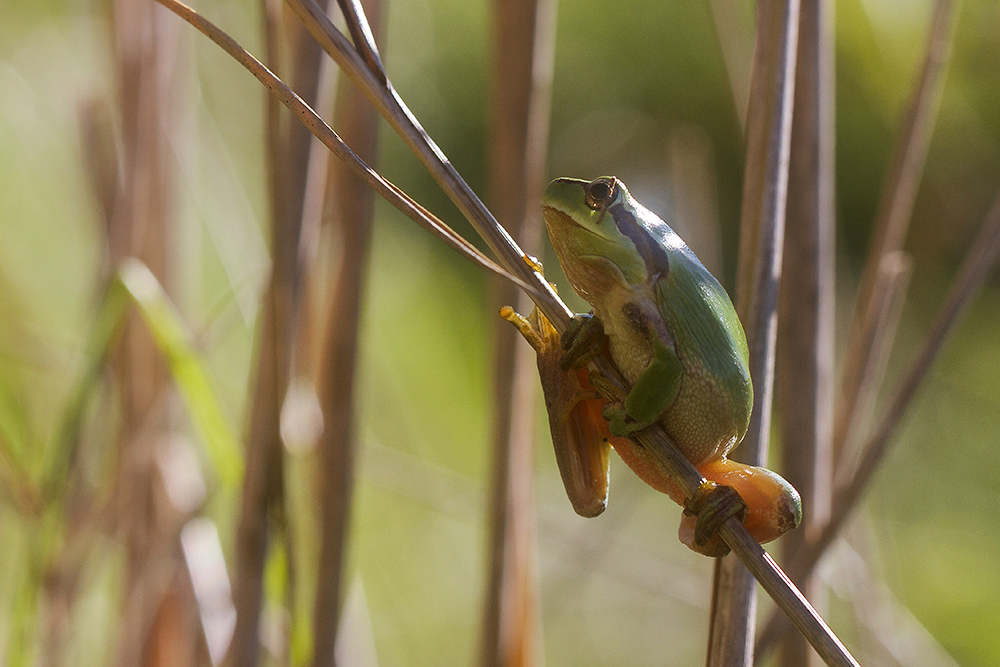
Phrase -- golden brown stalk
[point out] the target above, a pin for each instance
(521, 81)
(765, 184)
(806, 321)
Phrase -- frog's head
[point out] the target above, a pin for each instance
(603, 237)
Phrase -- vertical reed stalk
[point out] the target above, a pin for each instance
(521, 80)
(806, 319)
(352, 206)
(861, 359)
(882, 289)
(139, 227)
(769, 126)
(263, 483)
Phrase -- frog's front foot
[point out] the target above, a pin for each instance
(619, 422)
(713, 504)
(582, 341)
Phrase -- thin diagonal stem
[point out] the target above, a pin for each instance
(361, 33)
(870, 340)
(395, 112)
(979, 263)
(332, 141)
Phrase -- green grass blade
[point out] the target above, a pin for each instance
(107, 326)
(174, 341)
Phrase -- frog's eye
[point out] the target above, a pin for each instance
(600, 192)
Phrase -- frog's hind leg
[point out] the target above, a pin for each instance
(773, 506)
(575, 421)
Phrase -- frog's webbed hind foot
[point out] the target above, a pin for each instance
(713, 504)
(578, 431)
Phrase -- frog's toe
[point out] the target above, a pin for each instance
(620, 424)
(582, 341)
(710, 507)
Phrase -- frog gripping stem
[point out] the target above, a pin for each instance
(583, 340)
(713, 504)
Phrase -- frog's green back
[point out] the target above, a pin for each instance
(714, 340)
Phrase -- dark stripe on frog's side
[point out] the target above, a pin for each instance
(651, 251)
(635, 318)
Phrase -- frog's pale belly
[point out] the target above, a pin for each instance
(632, 353)
(629, 342)
(701, 419)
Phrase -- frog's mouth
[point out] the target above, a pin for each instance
(621, 258)
(564, 233)
(558, 218)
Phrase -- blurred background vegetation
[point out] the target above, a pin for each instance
(633, 80)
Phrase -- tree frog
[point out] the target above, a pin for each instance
(672, 331)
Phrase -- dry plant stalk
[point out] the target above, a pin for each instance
(520, 91)
(262, 509)
(157, 603)
(769, 129)
(351, 211)
(893, 220)
(806, 320)
(980, 261)
(880, 297)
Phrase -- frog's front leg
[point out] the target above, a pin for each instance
(583, 340)
(654, 390)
